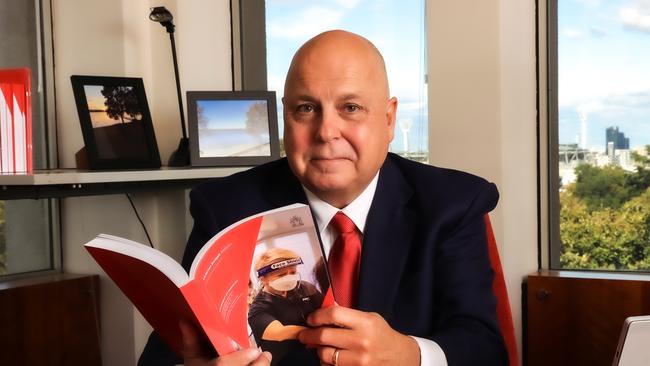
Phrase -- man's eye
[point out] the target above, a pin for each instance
(305, 108)
(351, 108)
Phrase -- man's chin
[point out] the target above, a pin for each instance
(330, 166)
(327, 182)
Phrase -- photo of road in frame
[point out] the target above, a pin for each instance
(233, 128)
(229, 128)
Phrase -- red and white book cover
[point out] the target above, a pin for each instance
(217, 293)
(15, 121)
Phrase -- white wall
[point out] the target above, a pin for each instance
(482, 119)
(482, 115)
(115, 38)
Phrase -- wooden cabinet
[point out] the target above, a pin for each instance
(50, 320)
(575, 318)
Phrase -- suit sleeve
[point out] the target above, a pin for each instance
(156, 352)
(205, 226)
(466, 325)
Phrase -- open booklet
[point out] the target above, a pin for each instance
(262, 275)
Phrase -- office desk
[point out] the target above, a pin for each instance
(575, 318)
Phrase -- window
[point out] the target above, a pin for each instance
(396, 28)
(28, 227)
(599, 134)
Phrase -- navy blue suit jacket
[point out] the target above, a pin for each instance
(424, 265)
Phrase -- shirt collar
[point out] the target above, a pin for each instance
(357, 210)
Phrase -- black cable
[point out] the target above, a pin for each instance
(139, 219)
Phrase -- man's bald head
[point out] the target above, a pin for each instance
(338, 116)
(338, 45)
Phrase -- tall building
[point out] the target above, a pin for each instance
(617, 138)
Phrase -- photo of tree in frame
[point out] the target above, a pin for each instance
(116, 118)
(115, 122)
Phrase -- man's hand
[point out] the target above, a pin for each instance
(360, 338)
(195, 353)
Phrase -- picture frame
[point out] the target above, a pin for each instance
(115, 122)
(232, 128)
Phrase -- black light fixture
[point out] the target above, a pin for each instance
(180, 157)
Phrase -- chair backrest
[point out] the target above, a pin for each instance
(504, 314)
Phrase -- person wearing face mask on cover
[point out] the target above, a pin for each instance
(280, 309)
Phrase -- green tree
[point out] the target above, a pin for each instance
(602, 187)
(202, 119)
(605, 217)
(257, 120)
(642, 161)
(121, 102)
(605, 238)
(640, 180)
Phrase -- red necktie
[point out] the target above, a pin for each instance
(344, 260)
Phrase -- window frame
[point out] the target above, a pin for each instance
(248, 29)
(549, 240)
(554, 246)
(48, 152)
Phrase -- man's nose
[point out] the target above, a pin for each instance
(329, 127)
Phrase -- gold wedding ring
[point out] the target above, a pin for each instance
(335, 357)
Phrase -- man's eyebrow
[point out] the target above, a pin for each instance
(303, 97)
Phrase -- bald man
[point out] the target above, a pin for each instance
(424, 287)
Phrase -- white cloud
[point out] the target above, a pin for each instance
(310, 22)
(591, 3)
(411, 105)
(637, 16)
(573, 33)
(348, 4)
(613, 102)
(276, 82)
(598, 32)
(272, 3)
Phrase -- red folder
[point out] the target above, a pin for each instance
(15, 121)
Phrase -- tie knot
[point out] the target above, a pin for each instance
(342, 223)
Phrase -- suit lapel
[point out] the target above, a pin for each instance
(387, 240)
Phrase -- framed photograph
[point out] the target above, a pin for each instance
(115, 122)
(230, 128)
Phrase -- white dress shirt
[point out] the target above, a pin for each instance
(357, 211)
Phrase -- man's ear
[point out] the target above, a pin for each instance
(391, 114)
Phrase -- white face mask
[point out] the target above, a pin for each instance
(285, 283)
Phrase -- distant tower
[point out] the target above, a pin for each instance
(612, 134)
(583, 128)
(405, 125)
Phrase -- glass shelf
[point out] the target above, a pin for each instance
(59, 183)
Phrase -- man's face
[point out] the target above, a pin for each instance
(338, 123)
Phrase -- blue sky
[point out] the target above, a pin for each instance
(226, 114)
(604, 70)
(395, 27)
